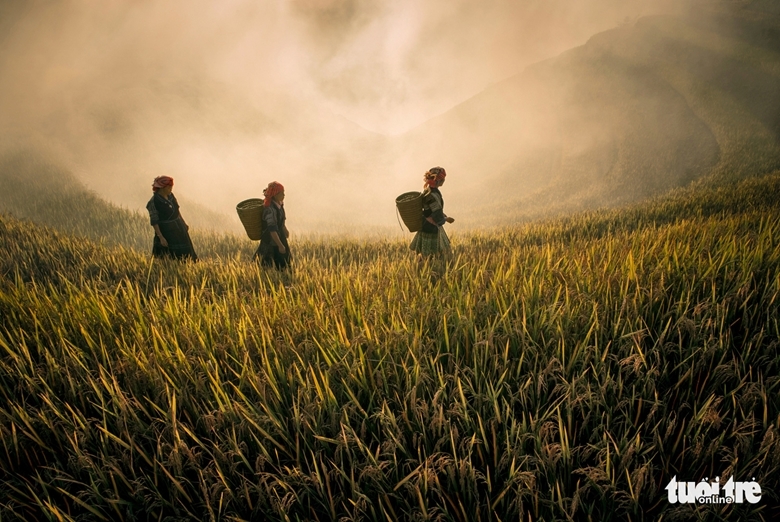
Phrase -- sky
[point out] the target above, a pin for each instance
(385, 65)
(122, 90)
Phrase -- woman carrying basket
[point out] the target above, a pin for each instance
(274, 250)
(432, 239)
(171, 233)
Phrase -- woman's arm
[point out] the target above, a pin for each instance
(273, 229)
(279, 245)
(163, 241)
(154, 218)
(434, 213)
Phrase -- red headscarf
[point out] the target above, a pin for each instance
(434, 176)
(160, 182)
(273, 189)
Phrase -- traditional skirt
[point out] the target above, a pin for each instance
(178, 238)
(273, 258)
(268, 254)
(429, 244)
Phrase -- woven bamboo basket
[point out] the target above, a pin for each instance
(410, 207)
(250, 212)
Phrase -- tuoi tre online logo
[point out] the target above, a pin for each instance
(704, 492)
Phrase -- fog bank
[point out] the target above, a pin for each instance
(226, 96)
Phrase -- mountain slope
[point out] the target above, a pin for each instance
(36, 189)
(638, 110)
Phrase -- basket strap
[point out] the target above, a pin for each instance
(397, 216)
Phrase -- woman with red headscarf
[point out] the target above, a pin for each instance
(171, 233)
(432, 239)
(274, 250)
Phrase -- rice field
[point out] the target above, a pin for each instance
(561, 370)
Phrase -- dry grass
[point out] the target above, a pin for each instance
(561, 370)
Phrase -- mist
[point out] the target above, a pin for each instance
(337, 99)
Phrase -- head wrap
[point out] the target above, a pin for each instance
(273, 189)
(434, 176)
(160, 182)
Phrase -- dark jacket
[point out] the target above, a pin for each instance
(433, 207)
(273, 221)
(164, 212)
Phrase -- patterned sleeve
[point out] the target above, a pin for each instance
(269, 219)
(154, 218)
(434, 209)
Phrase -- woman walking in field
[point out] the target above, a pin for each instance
(432, 239)
(171, 233)
(274, 250)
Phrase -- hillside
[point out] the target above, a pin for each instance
(657, 103)
(565, 369)
(34, 188)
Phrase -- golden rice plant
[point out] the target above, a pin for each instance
(559, 370)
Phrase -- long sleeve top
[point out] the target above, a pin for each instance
(433, 207)
(274, 219)
(162, 209)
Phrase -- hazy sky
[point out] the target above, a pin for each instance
(384, 65)
(391, 65)
(127, 89)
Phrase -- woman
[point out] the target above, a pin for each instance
(171, 233)
(432, 239)
(274, 250)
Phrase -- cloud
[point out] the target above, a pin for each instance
(226, 94)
